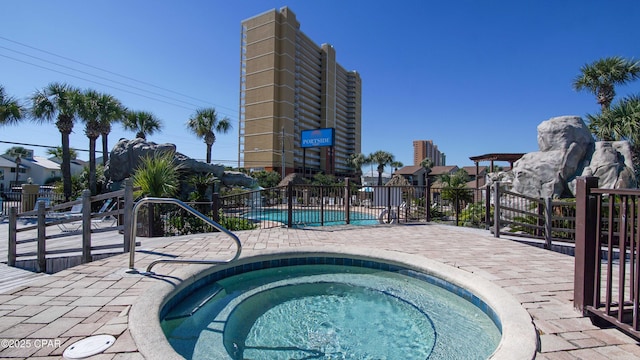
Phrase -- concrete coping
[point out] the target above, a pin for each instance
(519, 337)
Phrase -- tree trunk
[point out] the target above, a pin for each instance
(66, 166)
(105, 149)
(18, 161)
(209, 153)
(92, 166)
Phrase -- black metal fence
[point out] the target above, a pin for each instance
(298, 206)
(27, 201)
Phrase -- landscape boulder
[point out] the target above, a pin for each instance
(567, 150)
(126, 157)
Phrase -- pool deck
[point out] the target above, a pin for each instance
(96, 298)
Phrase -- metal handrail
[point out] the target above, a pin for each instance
(156, 200)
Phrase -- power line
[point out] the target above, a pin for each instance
(112, 73)
(44, 146)
(87, 73)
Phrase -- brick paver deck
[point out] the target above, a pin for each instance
(39, 320)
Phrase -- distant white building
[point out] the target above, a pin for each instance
(39, 169)
(8, 173)
(370, 178)
(42, 170)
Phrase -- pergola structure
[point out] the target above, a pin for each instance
(508, 157)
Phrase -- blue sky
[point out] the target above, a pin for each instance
(475, 77)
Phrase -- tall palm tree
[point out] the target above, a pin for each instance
(57, 152)
(89, 112)
(17, 152)
(11, 111)
(142, 122)
(58, 101)
(601, 76)
(204, 124)
(382, 159)
(111, 111)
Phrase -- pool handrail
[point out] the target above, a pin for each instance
(158, 200)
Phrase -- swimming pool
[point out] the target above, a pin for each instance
(236, 325)
(309, 217)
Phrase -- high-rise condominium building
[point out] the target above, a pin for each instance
(423, 149)
(289, 84)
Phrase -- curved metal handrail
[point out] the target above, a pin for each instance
(156, 200)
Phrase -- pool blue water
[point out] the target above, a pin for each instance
(328, 312)
(302, 218)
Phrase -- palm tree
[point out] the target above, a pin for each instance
(204, 124)
(356, 161)
(111, 111)
(89, 112)
(98, 111)
(601, 76)
(57, 152)
(58, 101)
(427, 164)
(455, 189)
(17, 152)
(621, 122)
(396, 165)
(382, 158)
(11, 111)
(142, 122)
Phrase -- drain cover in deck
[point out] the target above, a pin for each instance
(89, 346)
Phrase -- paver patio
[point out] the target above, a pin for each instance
(40, 319)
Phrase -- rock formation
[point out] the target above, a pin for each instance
(567, 150)
(126, 156)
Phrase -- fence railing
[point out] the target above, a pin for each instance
(299, 206)
(519, 215)
(86, 219)
(607, 255)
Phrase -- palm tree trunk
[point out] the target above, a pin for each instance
(92, 166)
(66, 166)
(209, 153)
(18, 161)
(105, 149)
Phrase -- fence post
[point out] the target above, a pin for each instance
(289, 205)
(127, 213)
(86, 226)
(215, 206)
(496, 209)
(457, 208)
(42, 238)
(487, 208)
(388, 204)
(427, 200)
(13, 229)
(347, 198)
(585, 249)
(548, 214)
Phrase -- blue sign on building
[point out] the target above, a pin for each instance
(317, 137)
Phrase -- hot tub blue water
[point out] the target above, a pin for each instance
(328, 308)
(303, 218)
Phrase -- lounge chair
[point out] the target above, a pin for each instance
(74, 213)
(108, 206)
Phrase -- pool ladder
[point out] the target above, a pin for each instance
(156, 200)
